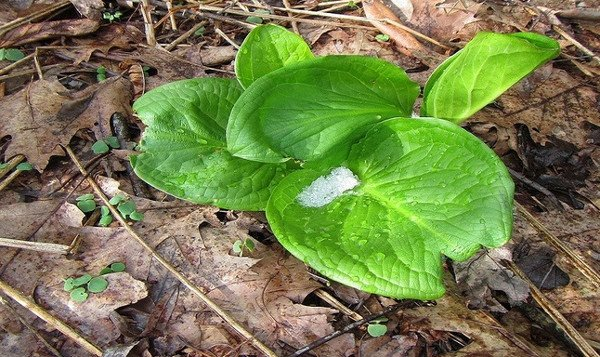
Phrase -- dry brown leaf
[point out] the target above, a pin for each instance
(376, 10)
(44, 115)
(48, 29)
(488, 337)
(92, 9)
(482, 273)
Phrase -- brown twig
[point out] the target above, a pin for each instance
(33, 16)
(167, 265)
(351, 327)
(328, 298)
(30, 327)
(185, 36)
(584, 347)
(148, 26)
(50, 319)
(551, 239)
(11, 164)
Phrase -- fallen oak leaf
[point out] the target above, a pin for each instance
(407, 44)
(49, 29)
(45, 114)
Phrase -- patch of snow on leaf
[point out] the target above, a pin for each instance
(327, 188)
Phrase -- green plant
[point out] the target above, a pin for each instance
(112, 15)
(351, 183)
(104, 145)
(80, 287)
(24, 166)
(86, 202)
(382, 37)
(101, 73)
(240, 245)
(377, 328)
(11, 54)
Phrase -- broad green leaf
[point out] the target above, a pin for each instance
(305, 109)
(409, 192)
(97, 284)
(266, 49)
(485, 68)
(183, 147)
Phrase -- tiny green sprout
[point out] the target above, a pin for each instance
(82, 280)
(126, 208)
(117, 267)
(3, 165)
(112, 16)
(104, 211)
(97, 284)
(351, 4)
(375, 329)
(257, 19)
(100, 147)
(382, 37)
(79, 295)
(112, 141)
(200, 31)
(106, 270)
(86, 205)
(117, 199)
(240, 245)
(136, 216)
(105, 221)
(69, 284)
(85, 197)
(11, 54)
(101, 74)
(24, 166)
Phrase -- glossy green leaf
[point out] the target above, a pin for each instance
(24, 166)
(105, 221)
(97, 284)
(126, 208)
(409, 192)
(266, 49)
(79, 295)
(184, 150)
(82, 280)
(86, 205)
(136, 216)
(85, 197)
(376, 330)
(117, 199)
(305, 109)
(117, 267)
(69, 284)
(485, 68)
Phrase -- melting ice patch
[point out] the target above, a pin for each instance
(327, 188)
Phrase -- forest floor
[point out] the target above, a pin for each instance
(81, 65)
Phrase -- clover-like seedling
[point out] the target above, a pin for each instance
(97, 284)
(377, 327)
(240, 245)
(86, 203)
(103, 146)
(352, 183)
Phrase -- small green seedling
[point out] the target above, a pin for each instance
(352, 182)
(24, 166)
(352, 5)
(112, 16)
(257, 19)
(80, 287)
(3, 165)
(377, 328)
(240, 245)
(101, 74)
(86, 203)
(104, 145)
(200, 31)
(382, 37)
(11, 54)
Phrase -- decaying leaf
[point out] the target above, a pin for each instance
(48, 29)
(92, 9)
(483, 273)
(44, 115)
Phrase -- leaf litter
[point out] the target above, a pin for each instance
(267, 290)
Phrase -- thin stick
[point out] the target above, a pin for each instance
(282, 18)
(551, 239)
(185, 36)
(361, 19)
(577, 44)
(167, 265)
(325, 296)
(32, 17)
(148, 27)
(287, 5)
(171, 15)
(226, 38)
(50, 319)
(30, 328)
(16, 64)
(537, 187)
(349, 327)
(36, 246)
(553, 312)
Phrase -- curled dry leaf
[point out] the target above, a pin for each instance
(483, 273)
(48, 29)
(45, 114)
(92, 9)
